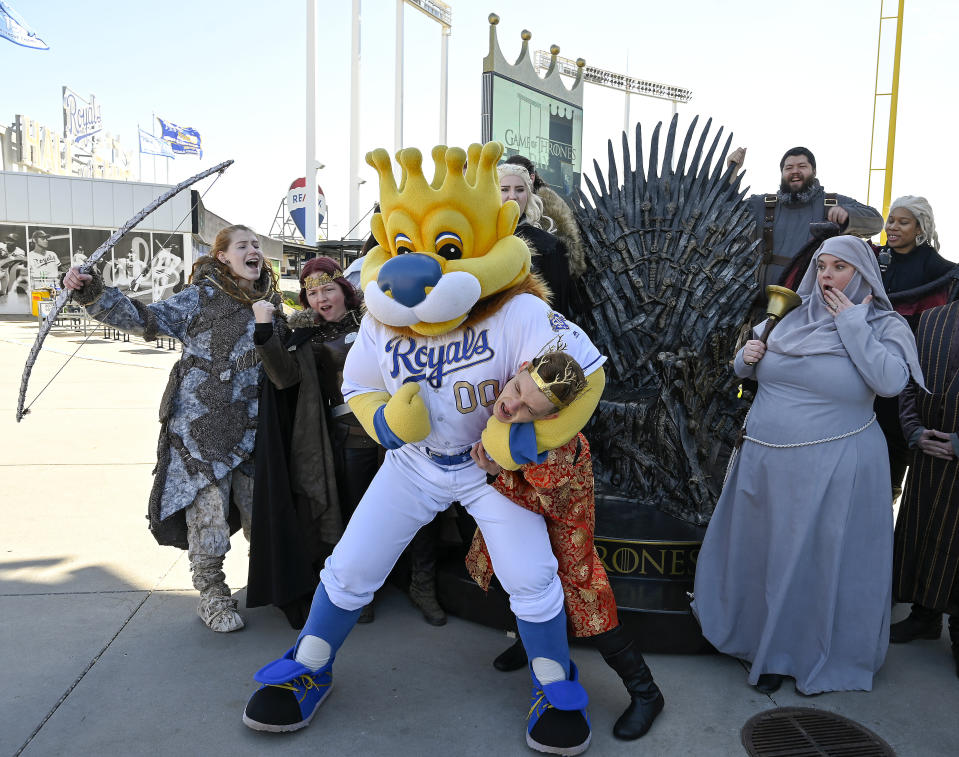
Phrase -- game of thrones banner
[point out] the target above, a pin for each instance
(547, 130)
(146, 266)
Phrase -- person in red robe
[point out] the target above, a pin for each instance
(560, 487)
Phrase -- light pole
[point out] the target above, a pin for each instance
(621, 82)
(442, 14)
(312, 201)
(355, 117)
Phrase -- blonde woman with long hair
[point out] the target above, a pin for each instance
(550, 255)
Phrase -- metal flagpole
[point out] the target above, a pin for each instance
(153, 158)
(444, 79)
(312, 202)
(398, 80)
(355, 117)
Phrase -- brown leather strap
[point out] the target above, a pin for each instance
(770, 202)
(781, 260)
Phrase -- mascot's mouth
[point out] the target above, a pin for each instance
(451, 298)
(412, 288)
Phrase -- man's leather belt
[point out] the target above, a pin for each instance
(339, 410)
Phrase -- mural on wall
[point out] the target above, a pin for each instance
(85, 243)
(129, 269)
(146, 266)
(48, 255)
(14, 280)
(168, 270)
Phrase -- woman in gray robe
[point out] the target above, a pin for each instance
(794, 574)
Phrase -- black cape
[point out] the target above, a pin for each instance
(551, 261)
(285, 556)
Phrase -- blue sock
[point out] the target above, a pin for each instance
(547, 639)
(327, 621)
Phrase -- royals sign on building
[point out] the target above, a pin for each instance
(81, 119)
(83, 149)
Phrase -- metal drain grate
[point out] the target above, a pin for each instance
(805, 732)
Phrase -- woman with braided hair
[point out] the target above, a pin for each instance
(208, 413)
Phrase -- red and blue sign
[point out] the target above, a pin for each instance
(296, 204)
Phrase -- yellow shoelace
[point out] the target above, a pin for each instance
(290, 686)
(536, 704)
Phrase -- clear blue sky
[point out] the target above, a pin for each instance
(775, 73)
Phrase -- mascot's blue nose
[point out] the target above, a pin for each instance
(407, 276)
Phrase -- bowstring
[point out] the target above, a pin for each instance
(94, 331)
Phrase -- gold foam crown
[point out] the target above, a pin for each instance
(320, 279)
(567, 378)
(464, 196)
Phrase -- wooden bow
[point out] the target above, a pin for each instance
(115, 237)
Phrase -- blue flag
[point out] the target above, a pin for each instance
(183, 139)
(150, 145)
(15, 29)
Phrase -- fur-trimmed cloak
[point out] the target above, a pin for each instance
(209, 408)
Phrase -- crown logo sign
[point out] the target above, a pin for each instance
(523, 70)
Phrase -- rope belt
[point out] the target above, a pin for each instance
(817, 441)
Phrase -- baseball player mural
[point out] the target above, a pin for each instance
(453, 311)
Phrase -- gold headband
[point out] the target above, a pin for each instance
(320, 279)
(546, 386)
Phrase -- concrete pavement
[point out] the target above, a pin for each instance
(101, 651)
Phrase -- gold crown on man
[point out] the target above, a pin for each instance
(568, 378)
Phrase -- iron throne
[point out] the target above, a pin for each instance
(669, 285)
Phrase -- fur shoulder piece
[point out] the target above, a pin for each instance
(566, 228)
(209, 268)
(302, 319)
(324, 331)
(532, 284)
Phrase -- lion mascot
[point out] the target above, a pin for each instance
(453, 311)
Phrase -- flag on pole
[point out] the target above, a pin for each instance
(15, 29)
(150, 145)
(183, 139)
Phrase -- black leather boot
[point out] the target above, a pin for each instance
(423, 574)
(367, 614)
(512, 658)
(922, 623)
(954, 638)
(423, 595)
(622, 654)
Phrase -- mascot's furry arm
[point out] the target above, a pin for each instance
(510, 447)
(393, 421)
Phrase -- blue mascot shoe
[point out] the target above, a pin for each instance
(557, 722)
(290, 697)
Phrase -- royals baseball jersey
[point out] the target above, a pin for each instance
(462, 372)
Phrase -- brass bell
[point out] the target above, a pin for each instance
(779, 301)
